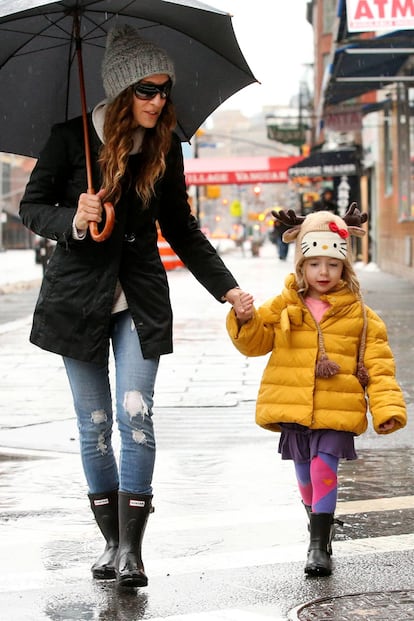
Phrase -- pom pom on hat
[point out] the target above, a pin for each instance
(129, 58)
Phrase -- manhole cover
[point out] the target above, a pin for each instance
(382, 606)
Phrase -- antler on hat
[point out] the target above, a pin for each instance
(354, 218)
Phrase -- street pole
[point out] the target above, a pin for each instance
(300, 119)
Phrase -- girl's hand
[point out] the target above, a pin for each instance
(388, 425)
(242, 303)
(244, 307)
(89, 210)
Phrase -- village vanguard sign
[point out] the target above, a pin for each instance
(375, 15)
(237, 177)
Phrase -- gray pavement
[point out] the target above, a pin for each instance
(227, 540)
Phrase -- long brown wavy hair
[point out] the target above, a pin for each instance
(119, 128)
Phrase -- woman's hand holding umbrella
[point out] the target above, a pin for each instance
(89, 214)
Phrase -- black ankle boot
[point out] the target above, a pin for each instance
(105, 510)
(319, 559)
(335, 522)
(133, 516)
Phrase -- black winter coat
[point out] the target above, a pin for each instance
(73, 311)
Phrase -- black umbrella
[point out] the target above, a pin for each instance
(51, 53)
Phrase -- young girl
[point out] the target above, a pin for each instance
(329, 353)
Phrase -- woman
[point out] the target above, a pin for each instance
(116, 292)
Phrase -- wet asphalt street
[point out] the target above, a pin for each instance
(228, 537)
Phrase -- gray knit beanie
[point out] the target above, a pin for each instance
(128, 59)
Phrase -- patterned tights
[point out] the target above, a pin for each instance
(318, 482)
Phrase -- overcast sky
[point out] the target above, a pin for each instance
(277, 42)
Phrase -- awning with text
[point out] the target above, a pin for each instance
(238, 170)
(328, 164)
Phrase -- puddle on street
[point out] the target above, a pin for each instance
(377, 474)
(106, 604)
(32, 486)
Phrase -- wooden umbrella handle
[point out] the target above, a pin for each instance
(109, 224)
(108, 207)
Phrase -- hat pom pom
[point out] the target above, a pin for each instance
(362, 375)
(326, 368)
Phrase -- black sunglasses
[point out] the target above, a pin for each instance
(145, 90)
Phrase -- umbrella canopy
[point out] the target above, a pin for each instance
(39, 78)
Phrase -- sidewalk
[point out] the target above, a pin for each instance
(228, 537)
(18, 269)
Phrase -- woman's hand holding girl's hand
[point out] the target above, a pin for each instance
(244, 307)
(242, 303)
(388, 425)
(89, 210)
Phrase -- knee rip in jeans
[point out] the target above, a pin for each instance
(135, 405)
(98, 417)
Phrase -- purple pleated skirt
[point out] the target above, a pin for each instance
(302, 444)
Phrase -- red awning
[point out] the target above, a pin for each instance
(238, 170)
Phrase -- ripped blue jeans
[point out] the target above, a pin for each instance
(91, 390)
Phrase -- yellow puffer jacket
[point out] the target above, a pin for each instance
(289, 391)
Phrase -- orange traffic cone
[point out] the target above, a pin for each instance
(169, 259)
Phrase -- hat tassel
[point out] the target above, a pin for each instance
(362, 375)
(326, 368)
(361, 371)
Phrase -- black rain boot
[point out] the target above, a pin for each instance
(105, 510)
(319, 560)
(133, 516)
(335, 522)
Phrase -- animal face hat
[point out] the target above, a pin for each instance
(323, 234)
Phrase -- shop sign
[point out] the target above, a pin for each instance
(237, 177)
(287, 134)
(343, 120)
(376, 15)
